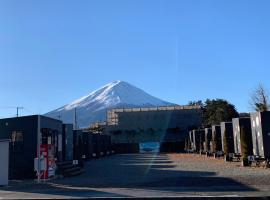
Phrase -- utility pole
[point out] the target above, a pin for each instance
(18, 110)
(75, 120)
(38, 148)
(12, 107)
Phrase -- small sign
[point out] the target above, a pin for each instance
(251, 158)
(231, 155)
(219, 153)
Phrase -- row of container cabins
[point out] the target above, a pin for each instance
(60, 146)
(247, 138)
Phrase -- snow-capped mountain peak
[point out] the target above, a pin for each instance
(93, 106)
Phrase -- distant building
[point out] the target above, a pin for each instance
(160, 124)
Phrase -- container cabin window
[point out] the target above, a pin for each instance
(17, 141)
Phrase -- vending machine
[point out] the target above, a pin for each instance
(48, 154)
(47, 151)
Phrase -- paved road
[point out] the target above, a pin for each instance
(140, 175)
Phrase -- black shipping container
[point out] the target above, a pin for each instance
(208, 138)
(108, 144)
(103, 143)
(97, 145)
(227, 126)
(260, 125)
(67, 141)
(77, 144)
(190, 137)
(198, 139)
(216, 132)
(91, 147)
(86, 145)
(23, 132)
(238, 125)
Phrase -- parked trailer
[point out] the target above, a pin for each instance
(208, 138)
(216, 132)
(227, 126)
(198, 140)
(240, 124)
(260, 126)
(190, 138)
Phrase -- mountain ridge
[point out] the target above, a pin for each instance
(93, 107)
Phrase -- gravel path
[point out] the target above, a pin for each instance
(151, 175)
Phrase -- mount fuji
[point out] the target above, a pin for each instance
(93, 107)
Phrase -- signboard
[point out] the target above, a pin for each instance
(149, 147)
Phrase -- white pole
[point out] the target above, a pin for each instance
(38, 147)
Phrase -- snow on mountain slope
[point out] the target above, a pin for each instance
(93, 107)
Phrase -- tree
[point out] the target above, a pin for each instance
(218, 110)
(195, 103)
(259, 99)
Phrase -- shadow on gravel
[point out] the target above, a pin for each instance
(35, 190)
(141, 171)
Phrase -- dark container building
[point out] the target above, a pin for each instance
(78, 149)
(208, 138)
(167, 125)
(24, 133)
(228, 127)
(89, 145)
(190, 137)
(260, 126)
(240, 124)
(216, 133)
(67, 142)
(198, 139)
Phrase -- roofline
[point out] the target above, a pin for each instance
(30, 116)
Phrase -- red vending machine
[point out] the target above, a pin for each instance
(47, 152)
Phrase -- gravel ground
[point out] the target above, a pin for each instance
(141, 175)
(233, 170)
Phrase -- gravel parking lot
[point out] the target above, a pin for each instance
(140, 175)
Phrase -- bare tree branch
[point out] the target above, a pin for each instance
(259, 99)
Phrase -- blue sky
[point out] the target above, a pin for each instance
(52, 52)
